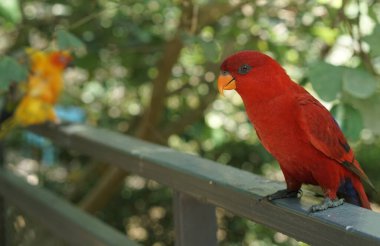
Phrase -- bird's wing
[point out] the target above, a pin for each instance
(325, 135)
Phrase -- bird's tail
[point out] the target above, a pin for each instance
(362, 195)
(352, 191)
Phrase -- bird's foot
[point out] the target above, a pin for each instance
(327, 203)
(284, 194)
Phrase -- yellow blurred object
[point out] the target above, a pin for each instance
(42, 90)
(33, 110)
(45, 80)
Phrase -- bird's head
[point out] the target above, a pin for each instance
(61, 58)
(251, 73)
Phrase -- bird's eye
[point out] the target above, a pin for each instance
(244, 69)
(224, 73)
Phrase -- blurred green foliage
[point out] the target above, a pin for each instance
(148, 69)
(67, 40)
(11, 70)
(11, 11)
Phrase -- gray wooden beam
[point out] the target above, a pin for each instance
(235, 190)
(64, 220)
(194, 221)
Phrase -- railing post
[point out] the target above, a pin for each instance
(194, 221)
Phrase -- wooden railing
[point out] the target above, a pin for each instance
(200, 185)
(60, 217)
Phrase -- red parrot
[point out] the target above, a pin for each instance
(296, 129)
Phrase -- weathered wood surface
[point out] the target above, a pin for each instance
(63, 219)
(235, 190)
(194, 221)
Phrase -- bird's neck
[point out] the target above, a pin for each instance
(268, 89)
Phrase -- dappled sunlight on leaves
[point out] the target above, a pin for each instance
(148, 69)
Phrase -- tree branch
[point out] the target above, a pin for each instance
(339, 17)
(111, 181)
(172, 51)
(103, 190)
(363, 55)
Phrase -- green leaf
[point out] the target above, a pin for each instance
(10, 10)
(211, 51)
(326, 80)
(359, 83)
(349, 119)
(67, 40)
(11, 71)
(370, 110)
(373, 41)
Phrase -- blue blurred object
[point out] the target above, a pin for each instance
(48, 155)
(70, 114)
(65, 114)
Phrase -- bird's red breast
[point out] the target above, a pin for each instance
(292, 125)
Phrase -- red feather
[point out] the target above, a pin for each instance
(326, 136)
(294, 127)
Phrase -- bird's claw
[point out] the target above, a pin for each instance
(327, 203)
(283, 194)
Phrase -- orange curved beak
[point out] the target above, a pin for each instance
(226, 82)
